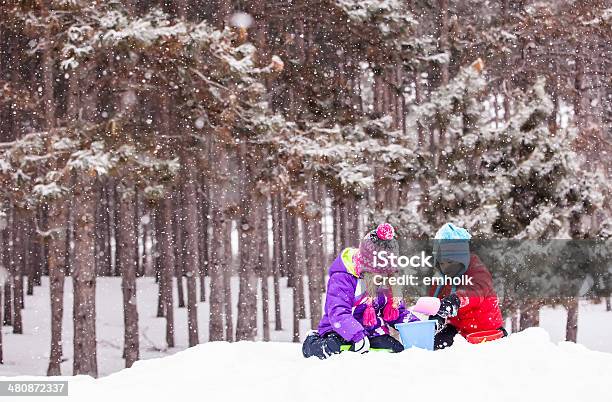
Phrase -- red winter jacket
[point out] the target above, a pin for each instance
(479, 309)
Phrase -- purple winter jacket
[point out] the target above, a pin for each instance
(345, 303)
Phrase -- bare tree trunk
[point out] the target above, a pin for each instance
(127, 239)
(17, 261)
(167, 267)
(514, 322)
(263, 267)
(1, 347)
(31, 254)
(530, 315)
(289, 248)
(108, 229)
(246, 327)
(192, 258)
(57, 213)
(148, 266)
(571, 328)
(57, 220)
(103, 261)
(7, 319)
(6, 262)
(204, 223)
(227, 282)
(160, 258)
(339, 233)
(111, 228)
(293, 265)
(311, 261)
(218, 251)
(3, 274)
(178, 265)
(315, 260)
(138, 234)
(276, 264)
(84, 279)
(117, 224)
(250, 215)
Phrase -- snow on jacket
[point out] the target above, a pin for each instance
(479, 309)
(345, 303)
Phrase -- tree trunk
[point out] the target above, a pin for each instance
(284, 243)
(1, 347)
(7, 283)
(44, 247)
(148, 266)
(220, 252)
(263, 270)
(84, 279)
(310, 261)
(160, 258)
(246, 326)
(514, 322)
(3, 275)
(277, 260)
(216, 274)
(103, 261)
(293, 265)
(7, 319)
(178, 250)
(191, 249)
(204, 214)
(314, 251)
(127, 240)
(31, 256)
(17, 261)
(530, 315)
(138, 234)
(288, 247)
(117, 225)
(57, 218)
(228, 303)
(167, 267)
(250, 216)
(571, 328)
(265, 302)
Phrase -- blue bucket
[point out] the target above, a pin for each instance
(419, 334)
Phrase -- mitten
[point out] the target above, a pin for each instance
(449, 306)
(440, 322)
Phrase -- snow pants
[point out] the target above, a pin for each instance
(446, 336)
(331, 343)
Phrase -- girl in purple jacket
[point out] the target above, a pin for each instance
(357, 311)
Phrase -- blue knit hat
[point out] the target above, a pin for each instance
(452, 243)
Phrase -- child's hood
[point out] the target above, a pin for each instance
(344, 263)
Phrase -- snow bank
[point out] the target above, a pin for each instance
(28, 353)
(525, 366)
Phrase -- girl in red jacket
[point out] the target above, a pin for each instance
(463, 309)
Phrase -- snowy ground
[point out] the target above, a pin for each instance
(524, 367)
(27, 354)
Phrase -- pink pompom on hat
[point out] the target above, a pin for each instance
(385, 231)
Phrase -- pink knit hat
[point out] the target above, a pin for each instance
(381, 239)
